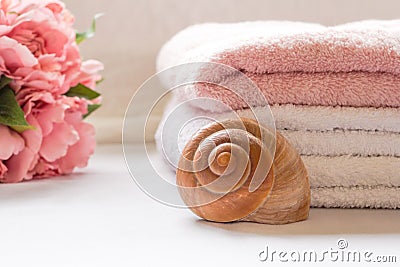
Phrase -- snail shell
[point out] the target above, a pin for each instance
(227, 173)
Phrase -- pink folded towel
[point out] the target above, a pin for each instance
(355, 64)
(346, 89)
(282, 46)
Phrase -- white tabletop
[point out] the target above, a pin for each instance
(99, 217)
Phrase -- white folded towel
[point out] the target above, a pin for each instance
(356, 197)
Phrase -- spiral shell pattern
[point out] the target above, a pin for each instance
(228, 172)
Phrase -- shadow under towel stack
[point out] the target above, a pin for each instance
(334, 94)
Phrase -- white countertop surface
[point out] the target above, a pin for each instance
(99, 217)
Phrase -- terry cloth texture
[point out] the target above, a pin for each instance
(334, 94)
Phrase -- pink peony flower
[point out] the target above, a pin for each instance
(44, 28)
(60, 141)
(38, 51)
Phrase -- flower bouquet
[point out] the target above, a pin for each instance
(46, 91)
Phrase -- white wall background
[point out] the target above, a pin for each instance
(132, 31)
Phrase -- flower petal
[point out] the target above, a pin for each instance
(55, 145)
(18, 167)
(10, 143)
(78, 154)
(3, 170)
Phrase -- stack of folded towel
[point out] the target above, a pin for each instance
(334, 94)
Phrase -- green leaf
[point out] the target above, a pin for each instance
(91, 109)
(100, 81)
(11, 113)
(89, 33)
(4, 81)
(83, 92)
